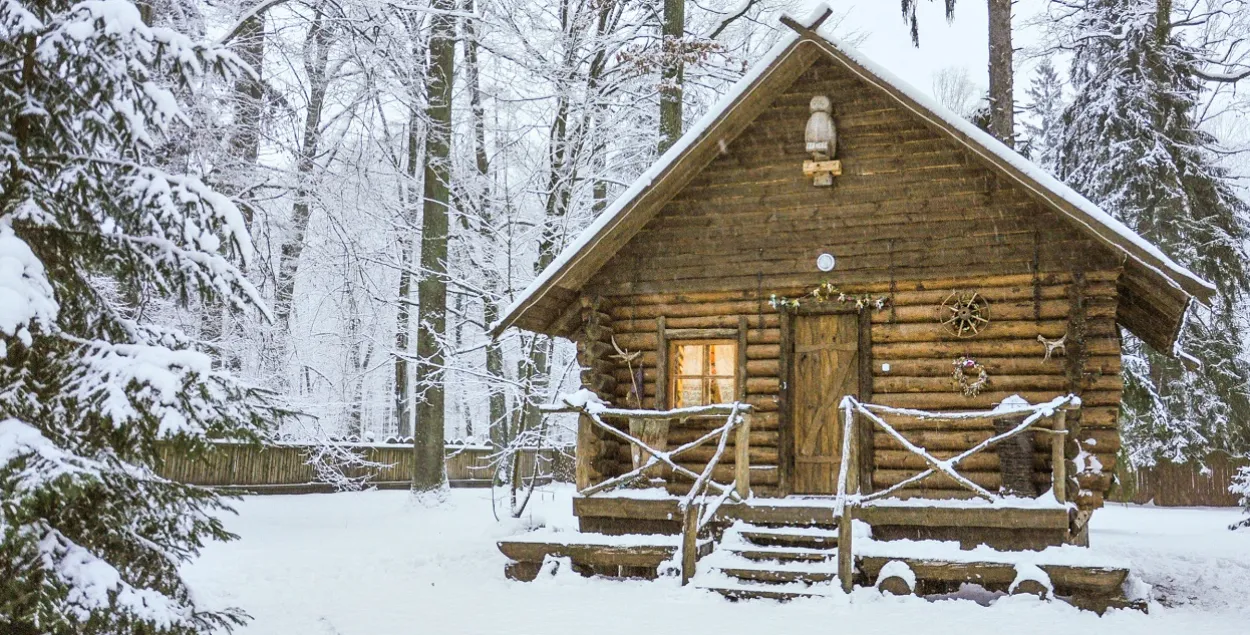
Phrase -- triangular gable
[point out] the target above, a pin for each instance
(1158, 290)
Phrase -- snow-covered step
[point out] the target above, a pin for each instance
(746, 590)
(805, 537)
(778, 575)
(781, 554)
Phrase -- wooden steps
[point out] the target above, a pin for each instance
(777, 563)
(764, 553)
(811, 538)
(760, 592)
(775, 575)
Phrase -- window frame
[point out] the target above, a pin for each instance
(706, 377)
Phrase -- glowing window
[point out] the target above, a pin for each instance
(702, 372)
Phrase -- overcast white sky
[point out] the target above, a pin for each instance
(961, 43)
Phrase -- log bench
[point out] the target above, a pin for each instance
(1087, 587)
(592, 554)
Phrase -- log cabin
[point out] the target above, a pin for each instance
(918, 328)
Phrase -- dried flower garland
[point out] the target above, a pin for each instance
(828, 292)
(965, 366)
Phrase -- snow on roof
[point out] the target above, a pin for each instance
(1025, 166)
(644, 180)
(602, 223)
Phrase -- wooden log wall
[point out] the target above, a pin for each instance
(243, 465)
(602, 452)
(919, 356)
(912, 217)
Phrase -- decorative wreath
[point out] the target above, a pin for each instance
(965, 366)
(964, 313)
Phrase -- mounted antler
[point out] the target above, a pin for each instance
(1054, 345)
(622, 355)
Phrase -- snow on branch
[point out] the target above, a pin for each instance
(26, 296)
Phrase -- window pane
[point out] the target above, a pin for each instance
(689, 359)
(722, 390)
(721, 359)
(689, 393)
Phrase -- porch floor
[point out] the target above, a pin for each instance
(652, 506)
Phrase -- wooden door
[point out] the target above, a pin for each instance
(826, 365)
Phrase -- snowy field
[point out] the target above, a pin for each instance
(376, 563)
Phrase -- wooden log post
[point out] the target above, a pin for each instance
(584, 473)
(689, 542)
(661, 365)
(846, 557)
(1058, 462)
(742, 458)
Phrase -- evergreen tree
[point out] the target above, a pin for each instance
(92, 231)
(1131, 144)
(1043, 129)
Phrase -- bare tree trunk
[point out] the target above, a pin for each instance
(1163, 22)
(249, 96)
(671, 78)
(243, 148)
(498, 411)
(353, 383)
(1002, 106)
(429, 472)
(316, 65)
(403, 320)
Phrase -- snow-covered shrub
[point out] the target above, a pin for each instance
(95, 226)
(1241, 486)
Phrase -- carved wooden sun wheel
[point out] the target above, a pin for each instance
(964, 313)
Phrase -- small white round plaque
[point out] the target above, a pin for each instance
(825, 262)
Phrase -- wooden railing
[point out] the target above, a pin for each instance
(849, 497)
(696, 508)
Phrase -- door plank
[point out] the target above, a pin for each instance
(826, 367)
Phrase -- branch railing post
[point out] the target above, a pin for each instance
(742, 458)
(848, 494)
(689, 542)
(846, 553)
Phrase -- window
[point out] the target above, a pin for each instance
(702, 372)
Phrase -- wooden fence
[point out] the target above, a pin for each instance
(285, 468)
(1182, 484)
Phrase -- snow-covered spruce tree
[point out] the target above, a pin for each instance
(91, 232)
(1131, 144)
(1043, 123)
(1241, 487)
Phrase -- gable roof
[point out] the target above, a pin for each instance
(1156, 291)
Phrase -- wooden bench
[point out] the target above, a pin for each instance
(592, 554)
(1093, 588)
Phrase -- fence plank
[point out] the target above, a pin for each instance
(1191, 484)
(285, 467)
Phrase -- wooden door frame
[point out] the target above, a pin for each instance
(785, 399)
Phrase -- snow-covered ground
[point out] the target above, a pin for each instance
(376, 563)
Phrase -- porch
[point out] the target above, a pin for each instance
(662, 517)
